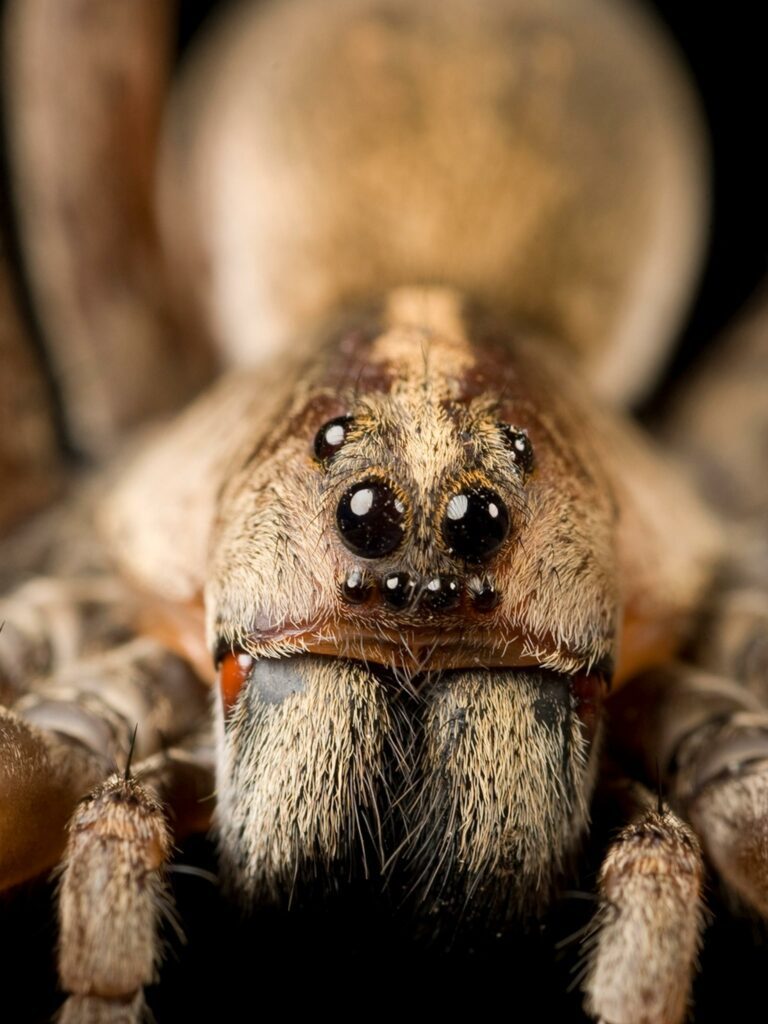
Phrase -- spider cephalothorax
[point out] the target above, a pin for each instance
(439, 527)
(416, 531)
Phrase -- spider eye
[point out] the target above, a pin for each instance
(519, 446)
(370, 519)
(476, 523)
(398, 589)
(356, 589)
(331, 436)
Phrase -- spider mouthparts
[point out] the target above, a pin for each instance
(276, 678)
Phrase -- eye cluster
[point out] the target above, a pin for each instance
(372, 515)
(400, 590)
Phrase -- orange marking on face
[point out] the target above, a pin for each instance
(233, 673)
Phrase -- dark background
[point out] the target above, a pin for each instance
(726, 54)
(360, 962)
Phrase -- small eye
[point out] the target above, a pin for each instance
(441, 593)
(484, 594)
(356, 589)
(370, 519)
(475, 524)
(398, 589)
(331, 436)
(519, 446)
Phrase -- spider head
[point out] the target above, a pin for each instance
(414, 599)
(418, 581)
(432, 499)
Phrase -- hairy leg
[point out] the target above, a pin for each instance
(70, 732)
(85, 83)
(50, 623)
(642, 946)
(113, 897)
(708, 737)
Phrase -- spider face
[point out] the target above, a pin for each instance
(431, 508)
(419, 571)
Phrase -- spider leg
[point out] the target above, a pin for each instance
(50, 623)
(30, 461)
(66, 736)
(733, 640)
(707, 738)
(718, 422)
(62, 740)
(85, 87)
(110, 897)
(113, 896)
(41, 779)
(710, 738)
(646, 933)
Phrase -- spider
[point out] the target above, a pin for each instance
(409, 561)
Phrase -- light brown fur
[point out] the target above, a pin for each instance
(499, 792)
(648, 928)
(299, 780)
(111, 898)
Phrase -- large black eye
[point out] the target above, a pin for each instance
(370, 519)
(475, 524)
(331, 436)
(519, 446)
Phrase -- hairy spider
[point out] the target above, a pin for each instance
(441, 594)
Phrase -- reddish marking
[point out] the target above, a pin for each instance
(233, 672)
